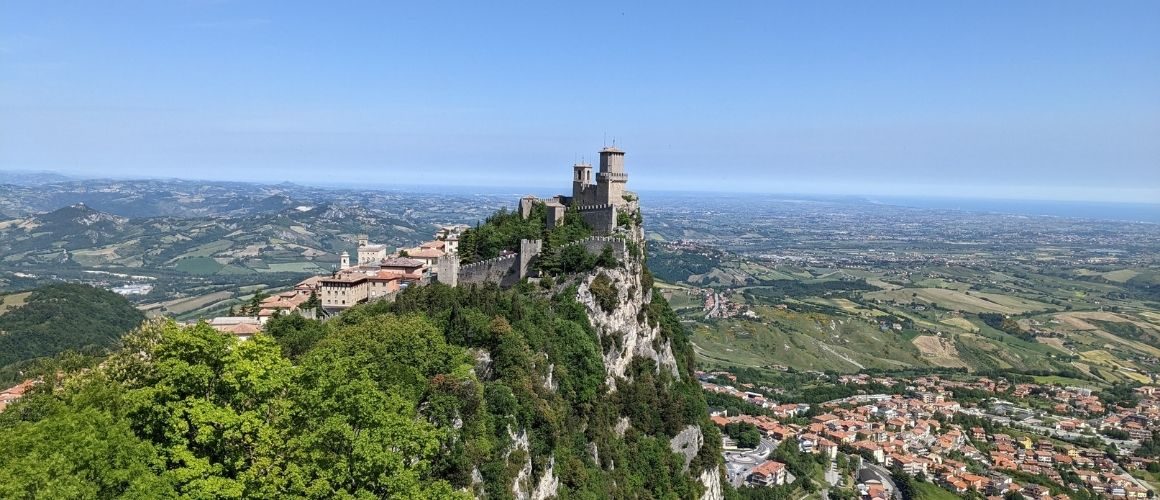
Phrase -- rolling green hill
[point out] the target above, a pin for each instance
(56, 318)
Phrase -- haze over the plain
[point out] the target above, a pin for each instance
(1021, 99)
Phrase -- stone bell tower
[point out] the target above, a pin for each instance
(583, 189)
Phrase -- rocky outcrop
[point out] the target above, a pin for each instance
(687, 443)
(634, 337)
(622, 425)
(523, 480)
(711, 480)
(549, 483)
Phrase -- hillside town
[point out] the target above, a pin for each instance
(376, 273)
(1038, 440)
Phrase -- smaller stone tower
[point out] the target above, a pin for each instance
(583, 191)
(447, 270)
(611, 179)
(529, 250)
(344, 261)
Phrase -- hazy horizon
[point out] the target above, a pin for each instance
(1004, 100)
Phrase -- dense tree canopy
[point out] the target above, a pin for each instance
(411, 399)
(59, 318)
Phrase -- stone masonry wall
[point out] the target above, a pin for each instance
(602, 218)
(501, 270)
(595, 244)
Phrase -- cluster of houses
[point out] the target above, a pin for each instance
(375, 274)
(14, 393)
(1044, 457)
(912, 432)
(1139, 421)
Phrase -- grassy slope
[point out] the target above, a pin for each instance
(928, 491)
(804, 341)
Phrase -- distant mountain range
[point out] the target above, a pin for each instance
(30, 178)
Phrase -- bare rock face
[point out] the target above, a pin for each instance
(687, 443)
(482, 363)
(622, 425)
(549, 484)
(636, 338)
(711, 479)
(523, 480)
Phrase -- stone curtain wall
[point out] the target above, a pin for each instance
(501, 270)
(602, 218)
(509, 270)
(595, 244)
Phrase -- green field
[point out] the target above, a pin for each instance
(1065, 381)
(185, 305)
(928, 491)
(12, 301)
(198, 265)
(208, 249)
(295, 267)
(966, 301)
(807, 341)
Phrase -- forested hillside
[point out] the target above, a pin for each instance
(579, 386)
(61, 317)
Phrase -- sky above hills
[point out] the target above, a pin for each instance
(1010, 99)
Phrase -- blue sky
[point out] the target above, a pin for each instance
(1018, 99)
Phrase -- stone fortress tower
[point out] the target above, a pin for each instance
(609, 188)
(598, 203)
(612, 179)
(583, 188)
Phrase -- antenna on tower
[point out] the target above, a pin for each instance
(605, 141)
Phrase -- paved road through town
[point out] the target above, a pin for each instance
(883, 475)
(739, 463)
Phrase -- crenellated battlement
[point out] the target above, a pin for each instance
(488, 262)
(593, 208)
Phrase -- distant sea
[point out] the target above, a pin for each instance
(1132, 212)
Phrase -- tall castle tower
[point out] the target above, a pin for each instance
(611, 179)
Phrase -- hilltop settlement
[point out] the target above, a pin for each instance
(378, 274)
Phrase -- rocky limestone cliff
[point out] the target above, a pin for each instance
(617, 302)
(634, 337)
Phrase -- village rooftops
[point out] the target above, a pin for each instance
(769, 468)
(345, 279)
(243, 330)
(425, 253)
(232, 320)
(242, 327)
(400, 263)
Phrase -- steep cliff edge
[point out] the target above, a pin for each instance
(620, 306)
